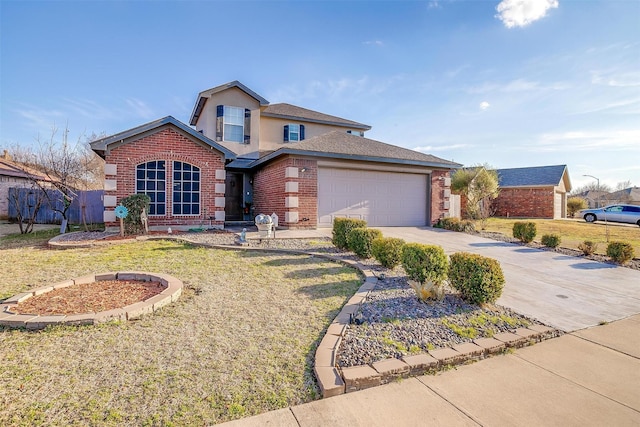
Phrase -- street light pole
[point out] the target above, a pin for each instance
(606, 228)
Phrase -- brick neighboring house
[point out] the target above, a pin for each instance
(246, 156)
(533, 192)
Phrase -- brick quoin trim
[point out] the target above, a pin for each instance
(438, 199)
(269, 191)
(525, 202)
(169, 145)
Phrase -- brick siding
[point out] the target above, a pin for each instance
(439, 203)
(269, 191)
(169, 145)
(525, 202)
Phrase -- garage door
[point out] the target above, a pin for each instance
(380, 198)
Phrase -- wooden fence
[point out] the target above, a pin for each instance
(87, 204)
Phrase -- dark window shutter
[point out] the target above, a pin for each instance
(219, 122)
(286, 133)
(247, 126)
(301, 132)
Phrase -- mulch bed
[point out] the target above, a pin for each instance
(93, 297)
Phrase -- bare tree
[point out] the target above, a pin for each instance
(66, 167)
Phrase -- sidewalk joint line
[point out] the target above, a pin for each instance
(603, 345)
(450, 403)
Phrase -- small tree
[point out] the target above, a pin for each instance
(574, 204)
(479, 185)
(32, 201)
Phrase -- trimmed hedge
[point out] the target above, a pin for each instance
(360, 239)
(551, 240)
(425, 263)
(524, 231)
(479, 279)
(455, 224)
(341, 227)
(620, 252)
(387, 251)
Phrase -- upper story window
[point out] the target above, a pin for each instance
(356, 132)
(151, 180)
(233, 124)
(293, 132)
(186, 189)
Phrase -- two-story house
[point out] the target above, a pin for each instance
(247, 156)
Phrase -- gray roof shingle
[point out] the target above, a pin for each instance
(288, 111)
(341, 145)
(537, 176)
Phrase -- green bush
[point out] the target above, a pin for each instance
(425, 263)
(455, 224)
(359, 240)
(341, 227)
(135, 204)
(574, 204)
(524, 231)
(588, 247)
(551, 240)
(620, 252)
(479, 279)
(387, 251)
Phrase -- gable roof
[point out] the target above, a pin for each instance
(341, 145)
(101, 145)
(288, 111)
(16, 170)
(206, 94)
(537, 176)
(631, 194)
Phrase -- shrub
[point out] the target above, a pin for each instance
(524, 231)
(135, 204)
(425, 262)
(574, 204)
(359, 240)
(551, 240)
(620, 252)
(455, 224)
(479, 279)
(387, 251)
(588, 247)
(341, 227)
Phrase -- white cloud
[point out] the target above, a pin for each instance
(374, 43)
(484, 105)
(624, 79)
(576, 141)
(140, 108)
(434, 4)
(520, 13)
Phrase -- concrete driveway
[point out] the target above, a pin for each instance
(566, 292)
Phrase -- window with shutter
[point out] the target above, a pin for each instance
(293, 132)
(232, 124)
(247, 126)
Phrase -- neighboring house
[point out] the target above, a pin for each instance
(533, 192)
(13, 175)
(630, 196)
(247, 157)
(595, 198)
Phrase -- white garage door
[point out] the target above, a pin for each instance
(380, 198)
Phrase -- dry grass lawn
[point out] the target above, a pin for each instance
(240, 341)
(573, 232)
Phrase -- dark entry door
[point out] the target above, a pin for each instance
(233, 197)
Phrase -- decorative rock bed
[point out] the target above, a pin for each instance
(171, 293)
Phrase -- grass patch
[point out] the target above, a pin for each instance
(573, 232)
(240, 341)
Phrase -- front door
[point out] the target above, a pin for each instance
(233, 203)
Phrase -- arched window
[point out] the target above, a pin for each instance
(186, 189)
(151, 180)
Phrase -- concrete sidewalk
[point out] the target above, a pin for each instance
(586, 378)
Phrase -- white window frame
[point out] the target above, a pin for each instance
(230, 119)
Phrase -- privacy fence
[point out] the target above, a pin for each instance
(87, 206)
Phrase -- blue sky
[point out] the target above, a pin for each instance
(513, 83)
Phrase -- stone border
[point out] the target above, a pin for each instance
(171, 293)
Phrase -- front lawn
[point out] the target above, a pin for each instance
(572, 232)
(239, 341)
